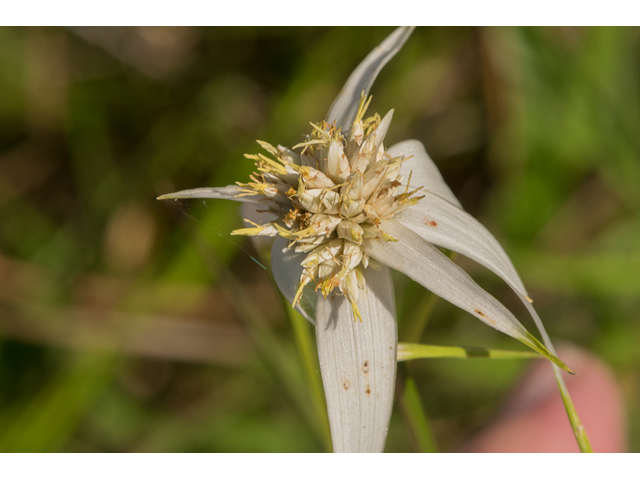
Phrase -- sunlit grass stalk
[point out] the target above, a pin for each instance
(409, 401)
(306, 349)
(414, 351)
(413, 414)
(270, 348)
(576, 425)
(305, 345)
(411, 407)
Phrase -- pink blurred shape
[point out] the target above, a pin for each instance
(534, 419)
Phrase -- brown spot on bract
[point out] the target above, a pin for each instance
(368, 390)
(365, 367)
(492, 322)
(346, 384)
(333, 297)
(431, 223)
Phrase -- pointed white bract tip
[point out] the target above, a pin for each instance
(345, 106)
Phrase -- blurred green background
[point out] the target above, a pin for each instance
(128, 324)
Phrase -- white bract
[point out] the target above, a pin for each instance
(343, 209)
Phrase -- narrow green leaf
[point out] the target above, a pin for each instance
(413, 414)
(46, 422)
(305, 345)
(271, 348)
(306, 349)
(413, 351)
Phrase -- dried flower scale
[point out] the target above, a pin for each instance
(343, 209)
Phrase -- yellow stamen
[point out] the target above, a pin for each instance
(309, 143)
(301, 285)
(320, 130)
(356, 312)
(362, 107)
(388, 238)
(269, 148)
(252, 231)
(408, 182)
(265, 164)
(283, 232)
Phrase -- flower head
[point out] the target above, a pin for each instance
(329, 199)
(342, 209)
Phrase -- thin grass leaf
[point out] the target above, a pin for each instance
(309, 359)
(271, 348)
(302, 336)
(413, 351)
(413, 413)
(48, 420)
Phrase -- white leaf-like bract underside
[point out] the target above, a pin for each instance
(425, 264)
(445, 225)
(287, 268)
(358, 364)
(424, 172)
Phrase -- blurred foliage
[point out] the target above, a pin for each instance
(127, 324)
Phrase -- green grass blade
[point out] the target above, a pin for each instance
(48, 420)
(309, 359)
(414, 351)
(272, 350)
(413, 414)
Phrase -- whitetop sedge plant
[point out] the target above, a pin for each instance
(343, 210)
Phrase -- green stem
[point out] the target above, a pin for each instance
(413, 413)
(574, 419)
(578, 429)
(311, 367)
(413, 351)
(270, 347)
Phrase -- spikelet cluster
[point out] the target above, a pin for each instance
(329, 198)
